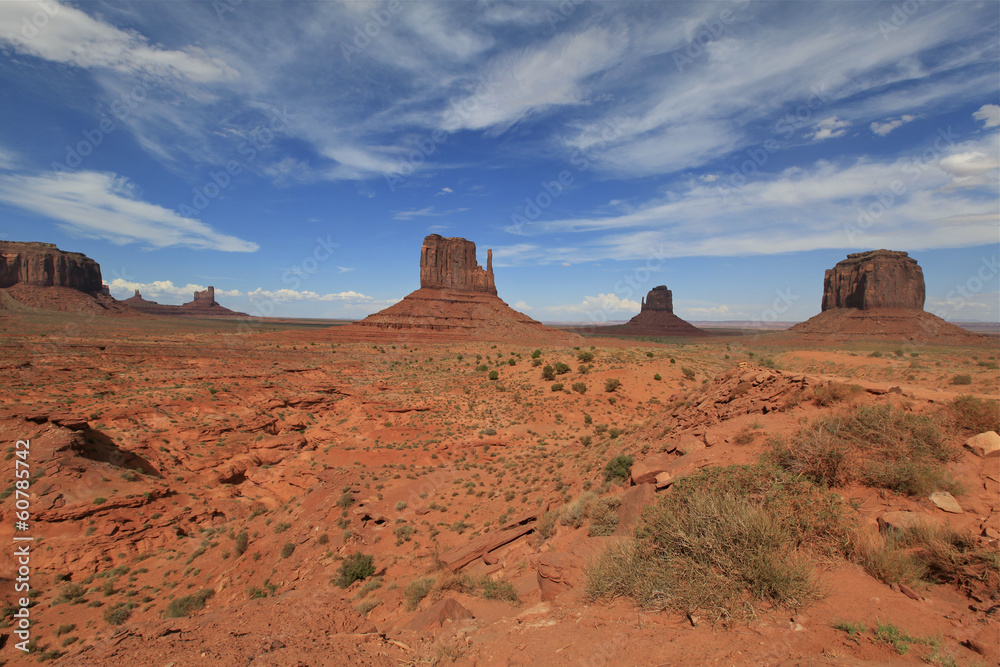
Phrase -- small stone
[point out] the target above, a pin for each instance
(902, 520)
(946, 502)
(985, 444)
(909, 592)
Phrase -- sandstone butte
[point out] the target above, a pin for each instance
(656, 318)
(878, 293)
(202, 305)
(457, 300)
(40, 275)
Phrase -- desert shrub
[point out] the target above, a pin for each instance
(619, 469)
(603, 516)
(287, 549)
(875, 355)
(188, 604)
(416, 591)
(536, 362)
(835, 392)
(656, 376)
(688, 372)
(961, 379)
(242, 540)
(499, 589)
(561, 368)
(612, 384)
(745, 436)
(71, 592)
(356, 567)
(585, 357)
(976, 414)
(948, 555)
(482, 368)
(365, 606)
(493, 375)
(345, 500)
(580, 387)
(724, 541)
(546, 526)
(876, 445)
(574, 514)
(119, 613)
(536, 354)
(558, 386)
(548, 373)
(583, 369)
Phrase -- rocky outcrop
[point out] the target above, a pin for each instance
(656, 318)
(659, 299)
(878, 294)
(450, 263)
(203, 304)
(45, 265)
(875, 279)
(457, 300)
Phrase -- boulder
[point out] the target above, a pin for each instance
(446, 609)
(984, 444)
(45, 265)
(874, 279)
(634, 501)
(903, 521)
(557, 573)
(946, 502)
(646, 470)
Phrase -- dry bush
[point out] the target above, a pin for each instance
(975, 414)
(725, 541)
(876, 445)
(835, 392)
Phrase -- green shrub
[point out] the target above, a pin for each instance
(619, 468)
(612, 384)
(558, 386)
(561, 368)
(494, 589)
(119, 613)
(580, 387)
(482, 368)
(536, 354)
(493, 375)
(242, 540)
(188, 604)
(656, 376)
(345, 500)
(287, 550)
(961, 379)
(416, 591)
(585, 357)
(356, 567)
(548, 373)
(688, 372)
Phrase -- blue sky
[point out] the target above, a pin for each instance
(294, 154)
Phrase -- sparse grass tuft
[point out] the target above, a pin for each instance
(355, 567)
(976, 414)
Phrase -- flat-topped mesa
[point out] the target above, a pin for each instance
(658, 299)
(874, 279)
(45, 265)
(204, 298)
(450, 263)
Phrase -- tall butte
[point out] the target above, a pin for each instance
(878, 293)
(457, 300)
(656, 318)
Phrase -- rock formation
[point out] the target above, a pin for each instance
(878, 293)
(874, 279)
(202, 305)
(45, 265)
(656, 318)
(457, 299)
(451, 264)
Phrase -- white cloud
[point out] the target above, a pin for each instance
(969, 164)
(710, 311)
(989, 114)
(424, 212)
(344, 269)
(106, 206)
(61, 33)
(882, 129)
(591, 306)
(518, 84)
(7, 159)
(122, 289)
(281, 295)
(828, 128)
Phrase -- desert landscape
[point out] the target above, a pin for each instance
(451, 482)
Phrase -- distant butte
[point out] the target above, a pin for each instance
(202, 305)
(878, 293)
(457, 300)
(656, 318)
(43, 277)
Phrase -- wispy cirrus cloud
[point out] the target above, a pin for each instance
(107, 206)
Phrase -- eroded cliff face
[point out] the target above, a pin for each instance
(659, 299)
(875, 279)
(45, 265)
(450, 263)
